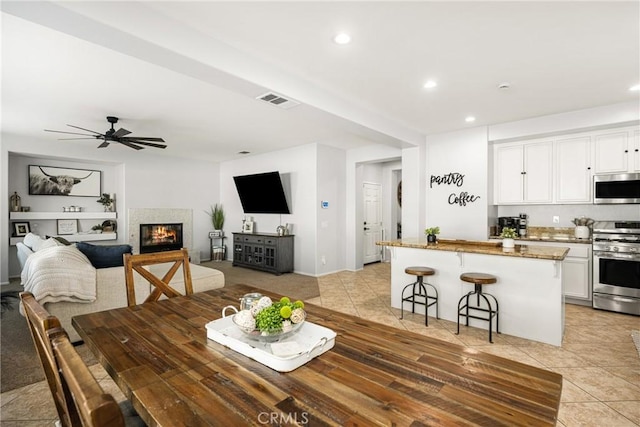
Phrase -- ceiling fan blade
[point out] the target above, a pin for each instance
(130, 145)
(70, 133)
(88, 130)
(120, 132)
(149, 144)
(144, 138)
(104, 144)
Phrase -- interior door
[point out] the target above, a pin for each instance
(372, 229)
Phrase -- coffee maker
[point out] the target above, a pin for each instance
(522, 224)
(506, 222)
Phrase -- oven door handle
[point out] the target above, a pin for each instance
(622, 299)
(615, 255)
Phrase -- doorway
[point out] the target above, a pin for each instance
(372, 218)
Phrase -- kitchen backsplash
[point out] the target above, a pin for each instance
(542, 215)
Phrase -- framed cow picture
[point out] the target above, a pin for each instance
(56, 181)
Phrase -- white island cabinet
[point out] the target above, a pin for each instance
(529, 288)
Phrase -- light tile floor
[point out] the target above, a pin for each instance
(598, 360)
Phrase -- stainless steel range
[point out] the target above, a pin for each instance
(616, 266)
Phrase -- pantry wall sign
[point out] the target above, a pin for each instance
(456, 179)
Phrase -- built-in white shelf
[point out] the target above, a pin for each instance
(29, 216)
(78, 237)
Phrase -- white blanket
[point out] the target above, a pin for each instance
(60, 273)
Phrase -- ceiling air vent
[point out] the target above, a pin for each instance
(278, 100)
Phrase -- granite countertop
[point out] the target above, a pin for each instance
(557, 238)
(481, 247)
(550, 234)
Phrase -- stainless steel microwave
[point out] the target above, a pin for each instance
(616, 188)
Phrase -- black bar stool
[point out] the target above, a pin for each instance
(479, 279)
(419, 294)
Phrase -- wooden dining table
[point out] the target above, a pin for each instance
(159, 355)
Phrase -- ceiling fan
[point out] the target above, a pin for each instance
(113, 135)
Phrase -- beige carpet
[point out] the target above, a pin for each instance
(290, 284)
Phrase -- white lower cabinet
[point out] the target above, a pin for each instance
(576, 273)
(576, 270)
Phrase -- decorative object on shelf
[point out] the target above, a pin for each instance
(67, 226)
(54, 181)
(431, 233)
(25, 209)
(97, 228)
(109, 226)
(583, 227)
(21, 229)
(217, 218)
(14, 202)
(108, 201)
(508, 235)
(247, 226)
(282, 230)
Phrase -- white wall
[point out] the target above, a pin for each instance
(606, 116)
(330, 227)
(299, 164)
(143, 179)
(413, 191)
(457, 165)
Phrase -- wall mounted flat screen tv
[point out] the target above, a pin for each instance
(262, 193)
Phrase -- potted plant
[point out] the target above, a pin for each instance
(107, 201)
(431, 233)
(217, 217)
(508, 235)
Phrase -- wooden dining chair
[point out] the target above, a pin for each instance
(79, 399)
(161, 286)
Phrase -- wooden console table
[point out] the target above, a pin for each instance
(265, 251)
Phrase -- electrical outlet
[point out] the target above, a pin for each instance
(556, 219)
(323, 260)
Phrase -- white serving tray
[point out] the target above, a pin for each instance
(310, 341)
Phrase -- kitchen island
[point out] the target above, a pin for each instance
(529, 288)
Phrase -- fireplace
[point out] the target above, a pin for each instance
(160, 237)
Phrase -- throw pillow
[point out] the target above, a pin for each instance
(62, 240)
(104, 256)
(33, 241)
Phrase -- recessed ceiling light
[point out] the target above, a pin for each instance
(342, 38)
(430, 84)
(469, 119)
(636, 87)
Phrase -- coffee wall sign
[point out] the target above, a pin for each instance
(453, 178)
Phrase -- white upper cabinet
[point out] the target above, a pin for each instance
(560, 169)
(523, 173)
(573, 170)
(635, 155)
(616, 151)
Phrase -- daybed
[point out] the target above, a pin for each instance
(68, 282)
